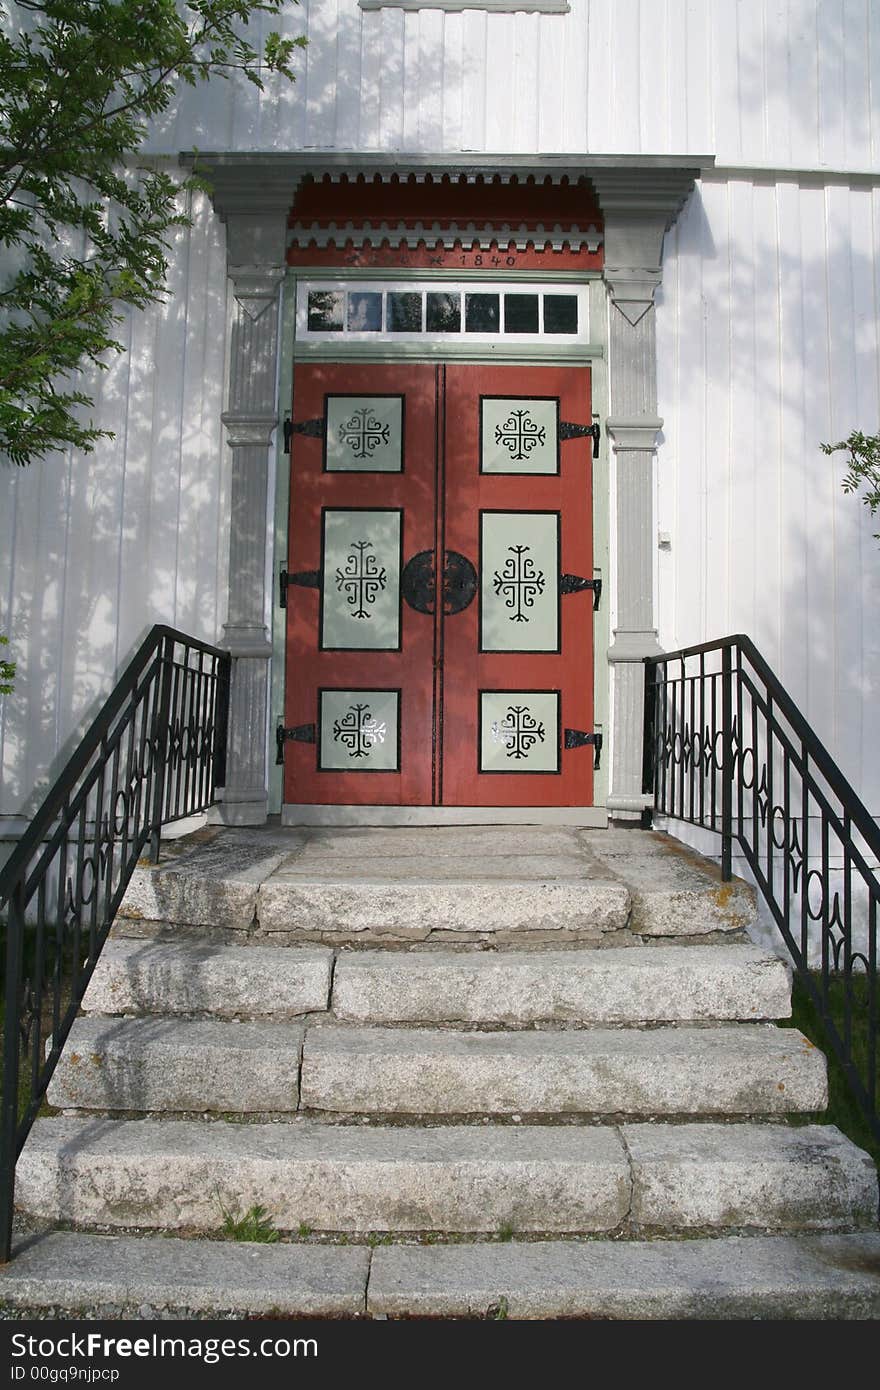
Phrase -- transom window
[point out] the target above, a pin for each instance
(413, 312)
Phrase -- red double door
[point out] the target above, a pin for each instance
(439, 608)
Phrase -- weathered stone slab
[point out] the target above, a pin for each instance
(731, 1277)
(416, 907)
(136, 1277)
(616, 985)
(183, 1065)
(432, 843)
(731, 1069)
(182, 1174)
(768, 1176)
(135, 977)
(674, 890)
(213, 885)
(446, 869)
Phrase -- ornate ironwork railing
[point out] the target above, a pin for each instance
(727, 749)
(153, 755)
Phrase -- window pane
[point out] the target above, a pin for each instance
(405, 313)
(520, 313)
(325, 311)
(560, 313)
(364, 312)
(481, 313)
(444, 313)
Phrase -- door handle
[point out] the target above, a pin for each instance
(418, 582)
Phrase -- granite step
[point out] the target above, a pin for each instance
(729, 1069)
(183, 1175)
(744, 1278)
(619, 985)
(188, 1065)
(186, 1175)
(730, 1277)
(143, 977)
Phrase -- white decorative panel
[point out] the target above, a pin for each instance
(519, 581)
(364, 434)
(519, 731)
(360, 581)
(359, 731)
(519, 435)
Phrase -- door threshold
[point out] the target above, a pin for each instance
(593, 817)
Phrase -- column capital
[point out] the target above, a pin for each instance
(638, 206)
(633, 434)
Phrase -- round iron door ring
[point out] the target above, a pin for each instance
(419, 588)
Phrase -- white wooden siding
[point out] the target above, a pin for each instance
(96, 548)
(768, 344)
(779, 82)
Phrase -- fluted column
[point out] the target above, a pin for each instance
(255, 263)
(637, 210)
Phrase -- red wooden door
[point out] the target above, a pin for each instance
(416, 680)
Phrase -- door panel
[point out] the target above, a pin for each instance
(519, 671)
(435, 640)
(359, 659)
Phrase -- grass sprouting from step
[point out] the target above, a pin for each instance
(254, 1225)
(843, 1109)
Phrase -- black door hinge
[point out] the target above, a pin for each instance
(307, 579)
(574, 584)
(302, 733)
(313, 429)
(576, 738)
(568, 430)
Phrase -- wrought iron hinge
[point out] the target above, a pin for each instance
(568, 430)
(576, 738)
(313, 429)
(302, 733)
(574, 584)
(307, 579)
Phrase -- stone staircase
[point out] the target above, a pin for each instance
(494, 1071)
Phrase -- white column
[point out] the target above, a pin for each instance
(256, 244)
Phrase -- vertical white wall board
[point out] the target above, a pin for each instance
(843, 641)
(474, 81)
(622, 128)
(321, 77)
(552, 130)
(598, 79)
(653, 110)
(431, 74)
(412, 76)
(767, 504)
(371, 61)
(753, 80)
(347, 134)
(745, 458)
(455, 120)
(725, 133)
(695, 91)
(500, 62)
(526, 124)
(391, 114)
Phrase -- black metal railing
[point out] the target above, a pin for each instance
(727, 749)
(153, 755)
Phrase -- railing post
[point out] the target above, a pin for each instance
(9, 1108)
(649, 737)
(160, 739)
(221, 721)
(726, 764)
